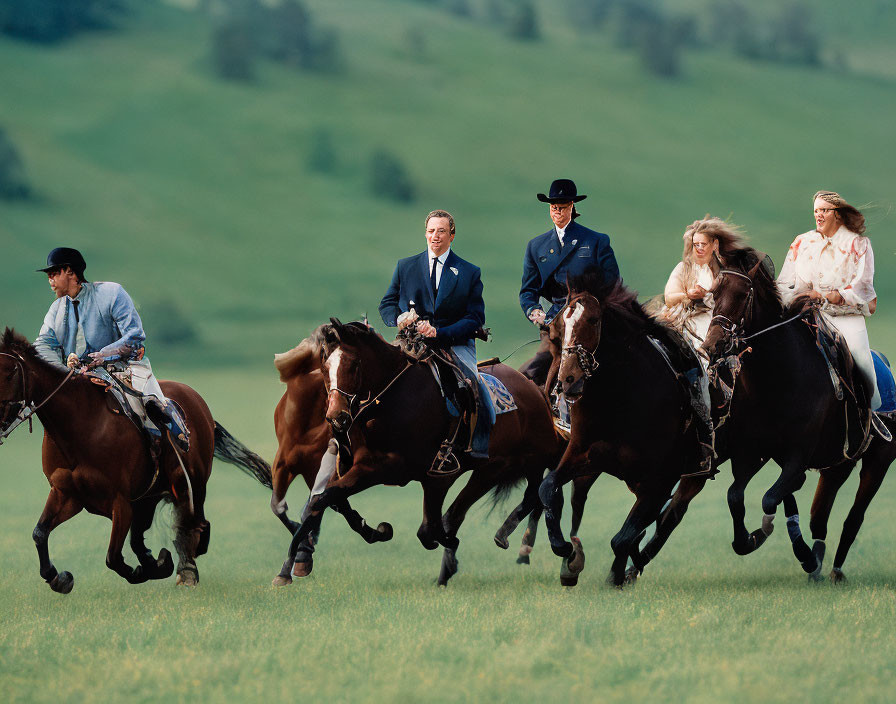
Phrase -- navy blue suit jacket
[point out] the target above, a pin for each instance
(458, 309)
(547, 265)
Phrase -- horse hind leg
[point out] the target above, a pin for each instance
(122, 514)
(531, 532)
(189, 529)
(525, 508)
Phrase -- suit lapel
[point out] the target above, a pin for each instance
(448, 280)
(571, 242)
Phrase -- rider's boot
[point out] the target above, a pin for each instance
(171, 419)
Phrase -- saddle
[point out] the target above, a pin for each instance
(845, 375)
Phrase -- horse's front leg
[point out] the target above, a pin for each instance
(551, 494)
(161, 568)
(58, 509)
(801, 550)
(122, 513)
(645, 511)
(743, 469)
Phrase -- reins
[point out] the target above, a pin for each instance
(27, 409)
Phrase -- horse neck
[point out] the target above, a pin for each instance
(62, 412)
(765, 315)
(382, 363)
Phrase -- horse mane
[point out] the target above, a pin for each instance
(743, 259)
(301, 359)
(16, 344)
(619, 303)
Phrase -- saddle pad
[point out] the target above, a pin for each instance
(502, 400)
(885, 383)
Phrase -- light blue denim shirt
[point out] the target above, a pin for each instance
(107, 323)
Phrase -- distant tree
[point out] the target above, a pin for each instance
(389, 178)
(461, 8)
(322, 153)
(658, 38)
(167, 323)
(291, 36)
(13, 183)
(233, 52)
(415, 41)
(792, 37)
(588, 15)
(50, 21)
(522, 21)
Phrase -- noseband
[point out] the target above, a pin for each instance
(586, 358)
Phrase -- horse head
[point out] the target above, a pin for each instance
(581, 328)
(14, 376)
(734, 295)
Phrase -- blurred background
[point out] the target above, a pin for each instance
(247, 169)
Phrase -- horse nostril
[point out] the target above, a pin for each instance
(569, 379)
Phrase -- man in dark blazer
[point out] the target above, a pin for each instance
(441, 294)
(567, 248)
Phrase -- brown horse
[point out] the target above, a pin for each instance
(302, 436)
(396, 433)
(97, 460)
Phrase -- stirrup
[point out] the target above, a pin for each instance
(445, 463)
(880, 427)
(562, 427)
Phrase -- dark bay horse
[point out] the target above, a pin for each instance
(631, 418)
(97, 460)
(302, 434)
(785, 407)
(389, 407)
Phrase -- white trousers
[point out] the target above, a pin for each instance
(854, 331)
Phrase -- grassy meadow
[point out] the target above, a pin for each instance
(703, 625)
(197, 195)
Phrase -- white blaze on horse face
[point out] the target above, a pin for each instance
(573, 316)
(333, 364)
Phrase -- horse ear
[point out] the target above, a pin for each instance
(755, 270)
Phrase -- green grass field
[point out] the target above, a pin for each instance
(703, 625)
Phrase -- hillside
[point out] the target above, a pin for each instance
(196, 192)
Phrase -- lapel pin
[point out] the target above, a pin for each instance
(552, 251)
(453, 270)
(574, 242)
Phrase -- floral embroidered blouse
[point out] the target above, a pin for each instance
(843, 262)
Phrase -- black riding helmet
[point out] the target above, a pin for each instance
(66, 256)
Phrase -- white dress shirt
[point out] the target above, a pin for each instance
(441, 265)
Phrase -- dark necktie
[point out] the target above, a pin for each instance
(75, 306)
(432, 277)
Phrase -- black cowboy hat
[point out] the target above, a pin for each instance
(562, 191)
(65, 256)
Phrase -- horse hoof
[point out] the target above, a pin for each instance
(522, 559)
(811, 568)
(302, 569)
(837, 576)
(164, 565)
(385, 531)
(631, 576)
(502, 542)
(63, 583)
(188, 577)
(279, 581)
(577, 559)
(569, 580)
(816, 577)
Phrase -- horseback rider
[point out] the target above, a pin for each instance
(440, 294)
(834, 265)
(90, 324)
(567, 248)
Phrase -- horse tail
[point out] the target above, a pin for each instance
(231, 450)
(502, 492)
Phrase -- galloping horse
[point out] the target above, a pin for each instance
(785, 407)
(631, 418)
(395, 434)
(97, 460)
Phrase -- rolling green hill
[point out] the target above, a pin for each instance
(196, 192)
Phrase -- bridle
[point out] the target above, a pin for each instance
(586, 358)
(26, 408)
(734, 331)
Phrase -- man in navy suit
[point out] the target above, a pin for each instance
(567, 248)
(441, 294)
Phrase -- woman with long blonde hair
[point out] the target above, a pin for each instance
(688, 295)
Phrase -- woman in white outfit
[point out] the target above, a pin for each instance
(687, 296)
(834, 264)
